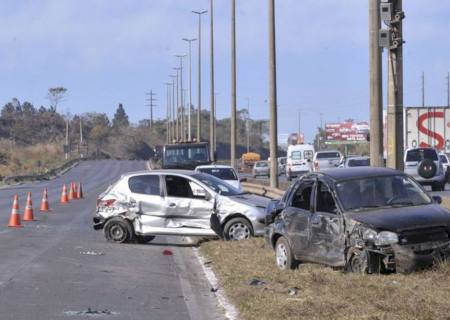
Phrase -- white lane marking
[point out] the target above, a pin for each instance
(231, 312)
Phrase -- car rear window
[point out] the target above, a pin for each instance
(421, 154)
(221, 173)
(145, 184)
(296, 155)
(358, 162)
(327, 155)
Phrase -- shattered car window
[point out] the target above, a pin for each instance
(219, 186)
(324, 200)
(178, 187)
(378, 192)
(145, 184)
(302, 197)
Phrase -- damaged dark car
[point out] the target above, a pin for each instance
(369, 220)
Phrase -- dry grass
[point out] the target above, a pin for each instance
(323, 293)
(29, 159)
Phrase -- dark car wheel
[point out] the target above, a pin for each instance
(144, 239)
(358, 262)
(118, 230)
(238, 229)
(284, 257)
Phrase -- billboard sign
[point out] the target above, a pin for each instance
(346, 132)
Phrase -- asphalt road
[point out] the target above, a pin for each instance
(60, 268)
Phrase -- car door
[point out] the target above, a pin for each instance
(327, 239)
(187, 203)
(296, 216)
(146, 189)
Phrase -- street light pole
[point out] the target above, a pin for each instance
(199, 66)
(168, 84)
(173, 113)
(212, 133)
(273, 97)
(189, 41)
(233, 85)
(248, 125)
(183, 133)
(177, 113)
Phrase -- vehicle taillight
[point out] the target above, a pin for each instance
(105, 203)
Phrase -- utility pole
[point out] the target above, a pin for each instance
(395, 147)
(299, 124)
(150, 100)
(168, 109)
(212, 133)
(233, 85)
(273, 97)
(66, 147)
(448, 89)
(423, 89)
(199, 66)
(247, 125)
(173, 112)
(190, 87)
(177, 112)
(376, 86)
(182, 131)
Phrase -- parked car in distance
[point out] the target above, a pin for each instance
(446, 165)
(282, 165)
(141, 205)
(328, 159)
(299, 160)
(355, 161)
(261, 168)
(424, 165)
(362, 219)
(225, 173)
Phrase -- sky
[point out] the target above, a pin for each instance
(107, 52)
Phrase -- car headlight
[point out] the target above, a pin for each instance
(380, 239)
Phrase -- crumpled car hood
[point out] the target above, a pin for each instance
(251, 200)
(404, 218)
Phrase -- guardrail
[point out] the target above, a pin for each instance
(262, 190)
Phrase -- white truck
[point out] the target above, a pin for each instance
(299, 160)
(427, 127)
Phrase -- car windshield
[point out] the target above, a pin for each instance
(359, 162)
(217, 185)
(221, 173)
(296, 155)
(262, 164)
(186, 153)
(421, 154)
(379, 192)
(327, 155)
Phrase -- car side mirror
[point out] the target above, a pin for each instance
(437, 199)
(243, 179)
(273, 209)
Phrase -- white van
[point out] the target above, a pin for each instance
(299, 160)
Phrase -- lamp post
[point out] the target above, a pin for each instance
(189, 41)
(199, 104)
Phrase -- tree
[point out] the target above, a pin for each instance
(55, 96)
(120, 119)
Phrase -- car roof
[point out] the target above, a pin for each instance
(324, 151)
(159, 171)
(209, 166)
(358, 158)
(339, 174)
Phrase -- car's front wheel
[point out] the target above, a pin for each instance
(284, 257)
(237, 229)
(118, 230)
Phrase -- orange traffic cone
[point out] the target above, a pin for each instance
(75, 191)
(28, 213)
(14, 219)
(71, 191)
(64, 196)
(79, 191)
(44, 203)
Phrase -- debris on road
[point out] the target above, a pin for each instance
(92, 253)
(256, 282)
(167, 252)
(91, 313)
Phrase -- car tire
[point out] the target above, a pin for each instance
(238, 229)
(358, 261)
(144, 239)
(283, 253)
(118, 230)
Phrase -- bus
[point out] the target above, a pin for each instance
(184, 155)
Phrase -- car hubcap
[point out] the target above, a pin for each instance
(281, 256)
(239, 231)
(117, 233)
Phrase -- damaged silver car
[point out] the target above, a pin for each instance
(141, 205)
(362, 219)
